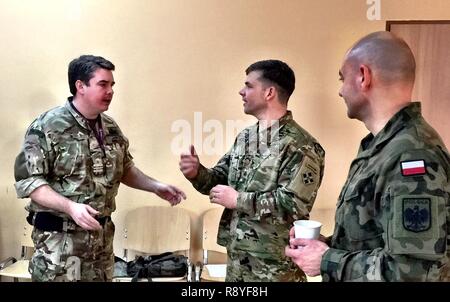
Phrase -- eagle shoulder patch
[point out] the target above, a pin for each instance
(417, 214)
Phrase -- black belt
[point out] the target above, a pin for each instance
(46, 221)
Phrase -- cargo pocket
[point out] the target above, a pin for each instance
(306, 180)
(262, 173)
(71, 158)
(360, 222)
(45, 264)
(418, 225)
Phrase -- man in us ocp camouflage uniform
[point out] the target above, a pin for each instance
(392, 217)
(73, 159)
(268, 179)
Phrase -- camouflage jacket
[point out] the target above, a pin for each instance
(392, 217)
(277, 172)
(61, 150)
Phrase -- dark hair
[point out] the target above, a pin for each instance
(276, 72)
(83, 69)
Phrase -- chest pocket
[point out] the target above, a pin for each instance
(251, 171)
(358, 214)
(115, 149)
(70, 157)
(240, 165)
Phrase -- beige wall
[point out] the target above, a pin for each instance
(175, 57)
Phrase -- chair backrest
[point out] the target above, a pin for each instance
(25, 238)
(206, 271)
(155, 230)
(26, 242)
(211, 219)
(18, 268)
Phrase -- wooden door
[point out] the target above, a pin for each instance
(430, 43)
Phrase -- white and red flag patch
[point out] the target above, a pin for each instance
(414, 167)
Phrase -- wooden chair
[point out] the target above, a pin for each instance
(154, 230)
(18, 269)
(216, 271)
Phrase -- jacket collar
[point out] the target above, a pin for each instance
(78, 116)
(272, 133)
(372, 144)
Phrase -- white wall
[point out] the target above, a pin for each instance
(176, 57)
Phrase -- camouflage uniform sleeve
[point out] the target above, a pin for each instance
(412, 217)
(32, 164)
(208, 178)
(128, 158)
(297, 185)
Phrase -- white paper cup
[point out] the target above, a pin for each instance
(307, 229)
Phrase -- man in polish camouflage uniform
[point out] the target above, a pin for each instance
(268, 179)
(392, 218)
(73, 159)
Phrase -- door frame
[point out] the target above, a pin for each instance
(389, 23)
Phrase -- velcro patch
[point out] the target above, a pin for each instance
(310, 174)
(417, 214)
(306, 179)
(413, 167)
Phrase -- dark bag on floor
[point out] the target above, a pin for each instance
(163, 265)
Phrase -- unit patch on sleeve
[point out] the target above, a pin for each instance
(309, 176)
(413, 167)
(416, 214)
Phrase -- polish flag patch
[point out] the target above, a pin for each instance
(414, 167)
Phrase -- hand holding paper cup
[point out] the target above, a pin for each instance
(307, 229)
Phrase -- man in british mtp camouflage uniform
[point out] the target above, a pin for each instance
(73, 159)
(392, 217)
(268, 179)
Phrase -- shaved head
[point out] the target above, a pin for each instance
(389, 57)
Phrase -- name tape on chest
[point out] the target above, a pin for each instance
(414, 167)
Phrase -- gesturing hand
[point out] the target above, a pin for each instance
(170, 193)
(189, 163)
